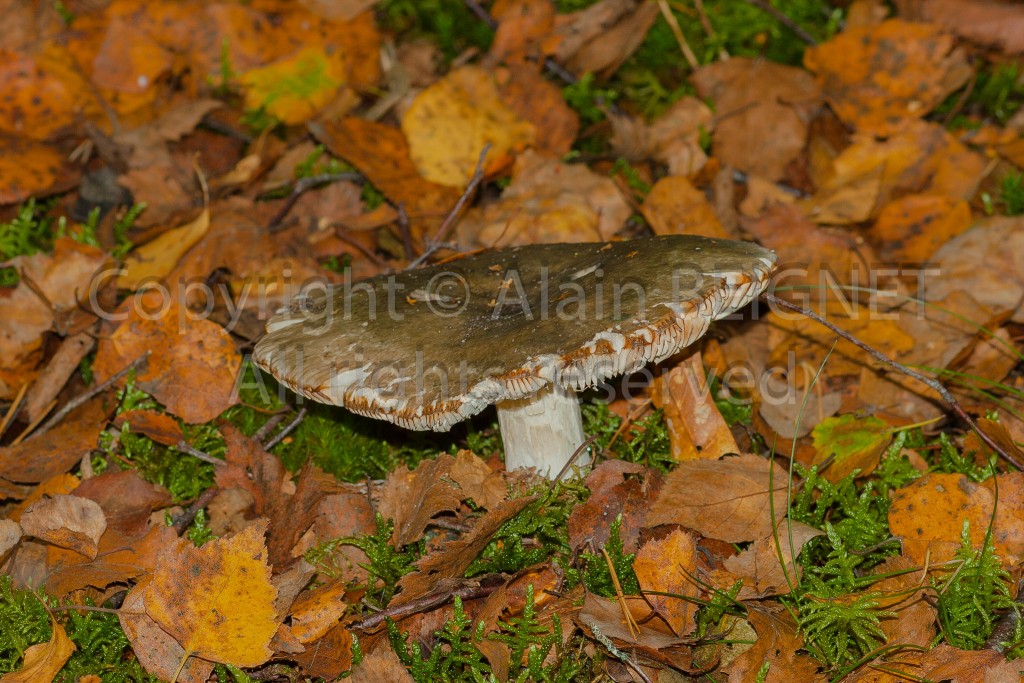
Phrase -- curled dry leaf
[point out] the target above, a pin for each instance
(760, 567)
(155, 259)
(779, 642)
(669, 565)
(42, 457)
(618, 489)
(66, 521)
(412, 497)
(43, 661)
(726, 499)
(217, 601)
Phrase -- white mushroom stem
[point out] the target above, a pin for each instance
(542, 431)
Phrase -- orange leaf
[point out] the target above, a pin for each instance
(666, 566)
(43, 661)
(217, 601)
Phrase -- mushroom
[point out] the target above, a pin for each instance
(522, 328)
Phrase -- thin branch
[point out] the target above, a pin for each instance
(449, 221)
(186, 447)
(424, 604)
(182, 521)
(304, 185)
(88, 395)
(13, 409)
(288, 428)
(405, 231)
(796, 28)
(932, 383)
(270, 425)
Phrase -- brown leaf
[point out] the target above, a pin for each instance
(126, 498)
(615, 44)
(765, 109)
(316, 611)
(68, 522)
(675, 207)
(192, 364)
(478, 481)
(452, 560)
(10, 534)
(41, 457)
(759, 565)
(346, 514)
(379, 666)
(43, 661)
(413, 497)
(669, 566)
(913, 227)
(29, 168)
(616, 488)
(539, 101)
(778, 643)
(916, 617)
(330, 656)
(158, 426)
(996, 24)
(726, 499)
(158, 652)
(696, 428)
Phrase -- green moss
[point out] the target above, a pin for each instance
(1011, 194)
(448, 22)
(596, 575)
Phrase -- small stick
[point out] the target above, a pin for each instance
(670, 19)
(796, 28)
(13, 409)
(186, 447)
(182, 521)
(406, 232)
(423, 604)
(288, 428)
(932, 383)
(301, 187)
(88, 395)
(634, 630)
(449, 221)
(263, 432)
(28, 430)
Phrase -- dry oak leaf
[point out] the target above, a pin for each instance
(668, 566)
(217, 601)
(330, 656)
(192, 365)
(449, 123)
(156, 650)
(451, 561)
(548, 201)
(875, 78)
(759, 565)
(411, 498)
(66, 521)
(929, 515)
(765, 109)
(618, 490)
(478, 481)
(778, 641)
(40, 458)
(43, 661)
(727, 499)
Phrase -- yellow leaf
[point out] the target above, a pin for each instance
(217, 601)
(297, 87)
(155, 259)
(449, 123)
(43, 661)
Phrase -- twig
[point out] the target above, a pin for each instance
(88, 395)
(378, 261)
(670, 19)
(427, 602)
(580, 450)
(796, 28)
(627, 616)
(405, 231)
(263, 432)
(13, 409)
(449, 221)
(182, 521)
(186, 447)
(35, 423)
(288, 428)
(301, 187)
(932, 383)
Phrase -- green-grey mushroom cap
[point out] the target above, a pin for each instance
(427, 348)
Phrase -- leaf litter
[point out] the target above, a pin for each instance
(772, 505)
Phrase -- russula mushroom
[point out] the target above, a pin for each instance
(523, 328)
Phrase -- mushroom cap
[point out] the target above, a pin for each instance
(427, 348)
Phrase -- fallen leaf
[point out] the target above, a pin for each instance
(127, 500)
(912, 228)
(618, 490)
(295, 88)
(536, 100)
(381, 665)
(449, 123)
(47, 455)
(43, 661)
(768, 566)
(217, 601)
(673, 139)
(158, 652)
(615, 43)
(989, 22)
(412, 497)
(46, 94)
(669, 565)
(778, 642)
(330, 656)
(676, 207)
(726, 499)
(192, 364)
(155, 259)
(317, 611)
(850, 443)
(764, 110)
(548, 201)
(696, 428)
(875, 78)
(66, 521)
(10, 534)
(903, 592)
(156, 425)
(478, 481)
